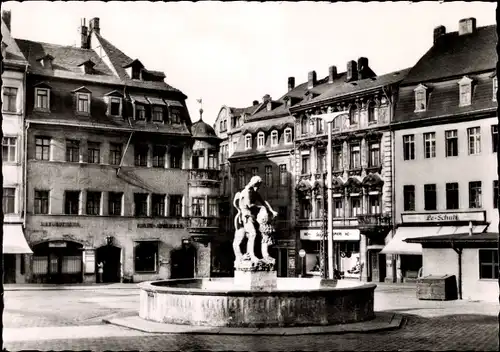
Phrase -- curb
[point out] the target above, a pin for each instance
(383, 321)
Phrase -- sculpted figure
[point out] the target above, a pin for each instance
(252, 218)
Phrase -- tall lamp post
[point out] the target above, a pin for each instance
(329, 118)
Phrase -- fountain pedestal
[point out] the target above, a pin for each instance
(256, 280)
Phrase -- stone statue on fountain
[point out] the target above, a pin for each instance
(253, 221)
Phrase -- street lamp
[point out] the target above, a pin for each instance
(302, 254)
(329, 118)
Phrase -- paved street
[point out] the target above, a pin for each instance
(72, 320)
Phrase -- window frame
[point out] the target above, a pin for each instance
(40, 149)
(374, 148)
(41, 204)
(452, 196)
(8, 98)
(465, 91)
(355, 156)
(371, 112)
(139, 159)
(157, 111)
(115, 100)
(494, 138)
(158, 157)
(261, 140)
(474, 140)
(115, 150)
(451, 143)
(174, 207)
(420, 98)
(274, 138)
(409, 198)
(198, 206)
(354, 115)
(268, 175)
(430, 196)
(158, 204)
(355, 210)
(93, 203)
(11, 148)
(155, 256)
(115, 198)
(283, 175)
(141, 204)
(337, 158)
(305, 164)
(138, 107)
(491, 263)
(38, 106)
(213, 207)
(69, 204)
(475, 199)
(372, 208)
(88, 100)
(248, 141)
(72, 147)
(408, 147)
(175, 116)
(288, 135)
(9, 200)
(176, 157)
(495, 88)
(93, 152)
(429, 139)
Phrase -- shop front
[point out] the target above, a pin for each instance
(407, 257)
(14, 253)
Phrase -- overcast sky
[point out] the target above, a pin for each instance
(231, 53)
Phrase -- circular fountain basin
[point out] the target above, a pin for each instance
(218, 302)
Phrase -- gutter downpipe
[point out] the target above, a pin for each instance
(393, 192)
(25, 142)
(459, 252)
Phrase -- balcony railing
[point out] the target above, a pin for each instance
(374, 220)
(204, 174)
(203, 223)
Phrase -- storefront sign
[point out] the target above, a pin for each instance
(444, 217)
(160, 226)
(60, 224)
(338, 235)
(58, 244)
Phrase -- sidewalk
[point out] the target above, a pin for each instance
(55, 287)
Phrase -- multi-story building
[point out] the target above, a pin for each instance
(361, 168)
(14, 68)
(116, 172)
(445, 156)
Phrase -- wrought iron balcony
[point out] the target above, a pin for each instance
(204, 177)
(372, 221)
(203, 224)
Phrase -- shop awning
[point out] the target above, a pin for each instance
(14, 241)
(397, 245)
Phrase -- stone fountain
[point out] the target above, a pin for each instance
(255, 297)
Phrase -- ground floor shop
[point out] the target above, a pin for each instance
(404, 261)
(15, 253)
(87, 249)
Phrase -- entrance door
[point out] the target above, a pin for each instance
(183, 263)
(9, 265)
(110, 257)
(283, 262)
(374, 265)
(54, 268)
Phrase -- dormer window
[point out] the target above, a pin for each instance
(140, 112)
(115, 101)
(495, 88)
(87, 67)
(288, 135)
(175, 116)
(42, 97)
(269, 106)
(248, 141)
(157, 114)
(46, 61)
(261, 140)
(83, 100)
(465, 85)
(420, 98)
(134, 69)
(274, 138)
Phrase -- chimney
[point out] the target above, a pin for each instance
(266, 98)
(332, 73)
(311, 79)
(6, 18)
(84, 35)
(94, 25)
(439, 31)
(255, 103)
(291, 83)
(352, 71)
(362, 68)
(466, 26)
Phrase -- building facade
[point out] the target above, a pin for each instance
(445, 150)
(117, 175)
(14, 66)
(361, 168)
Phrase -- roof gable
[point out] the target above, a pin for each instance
(82, 89)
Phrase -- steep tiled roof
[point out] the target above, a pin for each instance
(454, 55)
(13, 53)
(201, 129)
(268, 124)
(240, 111)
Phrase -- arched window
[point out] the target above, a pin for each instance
(288, 135)
(261, 140)
(248, 141)
(274, 138)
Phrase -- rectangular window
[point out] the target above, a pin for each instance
(269, 176)
(159, 155)
(283, 175)
(430, 202)
(374, 203)
(9, 200)
(255, 171)
(9, 149)
(9, 99)
(288, 136)
(320, 129)
(475, 194)
(157, 114)
(474, 137)
(248, 142)
(495, 194)
(465, 94)
(83, 103)
(93, 203)
(42, 148)
(176, 158)
(409, 147)
(212, 207)
(305, 164)
(41, 202)
(337, 207)
(494, 138)
(72, 151)
(71, 202)
(115, 203)
(495, 88)
(429, 145)
(303, 126)
(241, 178)
(198, 206)
(372, 117)
(42, 99)
(337, 158)
(212, 160)
(409, 197)
(354, 115)
(260, 140)
(355, 162)
(420, 103)
(452, 198)
(115, 153)
(146, 256)
(141, 155)
(115, 106)
(94, 153)
(488, 264)
(141, 204)
(175, 116)
(321, 160)
(140, 112)
(305, 208)
(175, 205)
(274, 138)
(451, 143)
(374, 154)
(198, 159)
(318, 213)
(355, 206)
(158, 202)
